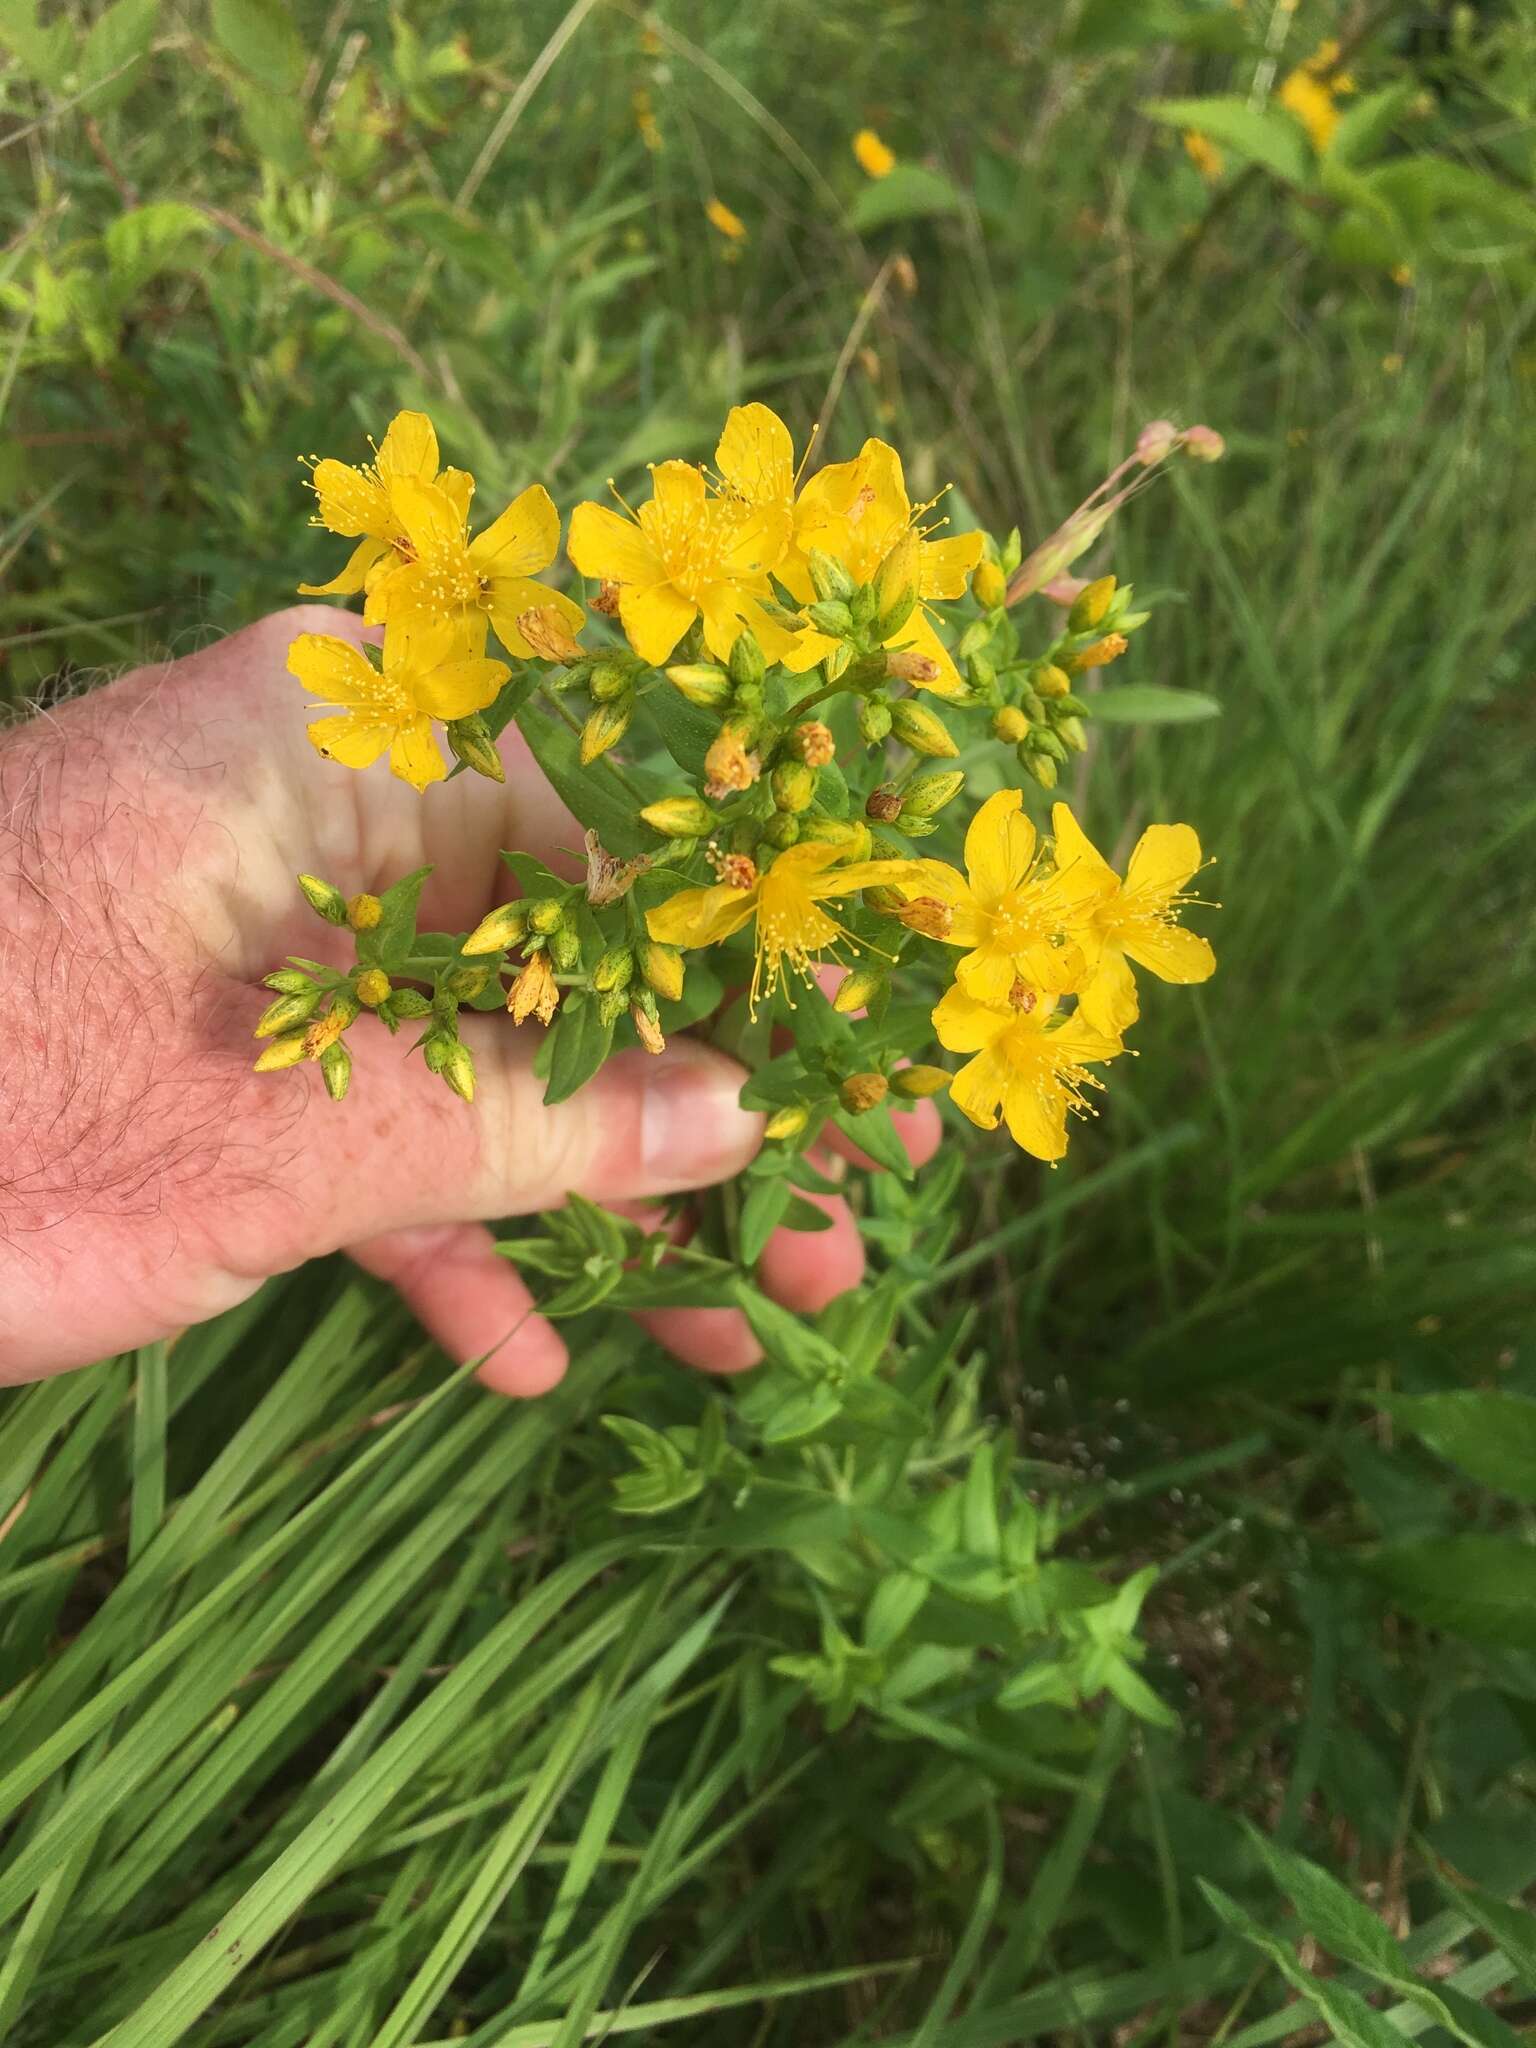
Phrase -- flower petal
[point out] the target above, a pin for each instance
(944, 566)
(414, 756)
(354, 575)
(455, 689)
(981, 1086)
(511, 596)
(1169, 952)
(523, 539)
(677, 488)
(701, 917)
(1035, 1111)
(1165, 858)
(756, 456)
(350, 502)
(354, 742)
(430, 517)
(919, 636)
(999, 847)
(601, 544)
(409, 448)
(1109, 1003)
(965, 1025)
(336, 671)
(988, 974)
(654, 619)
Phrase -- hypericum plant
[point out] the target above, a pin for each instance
(784, 652)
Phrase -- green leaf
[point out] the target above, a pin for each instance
(115, 49)
(1480, 1587)
(391, 940)
(664, 1479)
(147, 240)
(1151, 704)
(1491, 1436)
(786, 1339)
(874, 1132)
(1367, 123)
(687, 730)
(1328, 1910)
(262, 37)
(593, 795)
(1261, 135)
(800, 1414)
(761, 1214)
(581, 1044)
(1354, 2023)
(1512, 1927)
(909, 192)
(44, 53)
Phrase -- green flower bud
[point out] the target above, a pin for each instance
(662, 968)
(435, 1048)
(852, 834)
(502, 929)
(614, 970)
(286, 1051)
(409, 1003)
(1043, 741)
(679, 817)
(890, 622)
(915, 1084)
(325, 901)
(874, 720)
(1073, 734)
(837, 663)
(336, 1071)
(545, 915)
(1072, 707)
(288, 981)
(1041, 766)
(473, 743)
(606, 727)
(746, 664)
(831, 616)
(465, 983)
(701, 683)
(781, 830)
(565, 949)
(788, 1122)
(458, 1070)
(830, 580)
(921, 729)
(989, 586)
(612, 1004)
(608, 682)
(794, 786)
(930, 793)
(286, 1013)
(863, 605)
(858, 989)
(1051, 681)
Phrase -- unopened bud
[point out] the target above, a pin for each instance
(1203, 444)
(831, 581)
(989, 586)
(336, 1071)
(646, 1019)
(546, 632)
(615, 969)
(679, 817)
(364, 912)
(565, 949)
(863, 1092)
(930, 916)
(435, 1048)
(458, 1070)
(1074, 734)
(909, 667)
(1110, 648)
(406, 1004)
(928, 795)
(327, 902)
(782, 830)
(1010, 724)
(794, 786)
(465, 983)
(921, 729)
(874, 721)
(606, 727)
(1042, 767)
(883, 804)
(1071, 707)
(373, 987)
(1157, 439)
(700, 682)
(830, 615)
(546, 914)
(813, 743)
(837, 663)
(611, 1005)
(1044, 741)
(746, 664)
(288, 981)
(502, 929)
(916, 1084)
(1090, 605)
(787, 1123)
(899, 574)
(857, 990)
(891, 621)
(610, 679)
(285, 1013)
(662, 969)
(473, 743)
(1051, 681)
(282, 1052)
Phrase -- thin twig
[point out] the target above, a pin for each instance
(512, 112)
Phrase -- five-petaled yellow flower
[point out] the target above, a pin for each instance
(470, 583)
(1018, 918)
(1311, 91)
(1027, 1065)
(1135, 919)
(731, 225)
(786, 902)
(874, 157)
(684, 555)
(428, 672)
(357, 501)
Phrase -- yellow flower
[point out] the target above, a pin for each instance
(468, 582)
(429, 671)
(682, 556)
(872, 155)
(731, 225)
(1017, 921)
(786, 903)
(1135, 919)
(859, 513)
(1203, 154)
(1028, 1065)
(357, 501)
(1310, 92)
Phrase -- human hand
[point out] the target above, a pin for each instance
(150, 834)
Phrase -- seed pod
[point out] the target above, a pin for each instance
(1010, 724)
(915, 1084)
(863, 1092)
(286, 1013)
(606, 727)
(928, 795)
(884, 804)
(502, 929)
(679, 817)
(325, 901)
(364, 912)
(373, 987)
(874, 721)
(794, 786)
(662, 968)
(701, 683)
(336, 1071)
(989, 586)
(473, 743)
(921, 729)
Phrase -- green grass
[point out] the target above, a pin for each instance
(320, 1728)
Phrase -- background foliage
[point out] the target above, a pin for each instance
(1147, 1642)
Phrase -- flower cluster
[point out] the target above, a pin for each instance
(757, 762)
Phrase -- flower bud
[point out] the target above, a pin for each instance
(1157, 439)
(874, 721)
(921, 729)
(977, 635)
(1110, 648)
(794, 786)
(884, 902)
(606, 727)
(837, 663)
(336, 1071)
(858, 989)
(1051, 681)
(565, 949)
(1073, 734)
(1203, 444)
(609, 680)
(930, 793)
(465, 983)
(325, 901)
(1044, 741)
(405, 1004)
(615, 969)
(1090, 605)
(285, 1013)
(891, 621)
(883, 804)
(898, 575)
(989, 586)
(930, 916)
(1010, 724)
(325, 1031)
(546, 914)
(611, 1005)
(286, 1051)
(364, 912)
(545, 631)
(851, 834)
(458, 1070)
(435, 1048)
(700, 682)
(829, 578)
(787, 1123)
(830, 615)
(1041, 766)
(915, 1084)
(373, 987)
(747, 667)
(503, 928)
(813, 743)
(679, 817)
(662, 969)
(782, 829)
(473, 743)
(288, 981)
(1071, 707)
(863, 1092)
(909, 667)
(862, 607)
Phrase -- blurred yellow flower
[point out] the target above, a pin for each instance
(356, 501)
(682, 556)
(1028, 1068)
(874, 157)
(786, 902)
(731, 225)
(428, 671)
(1136, 919)
(1203, 154)
(1311, 91)
(1017, 919)
(470, 583)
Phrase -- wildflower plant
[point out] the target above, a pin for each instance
(758, 715)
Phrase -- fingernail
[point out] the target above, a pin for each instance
(693, 1129)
